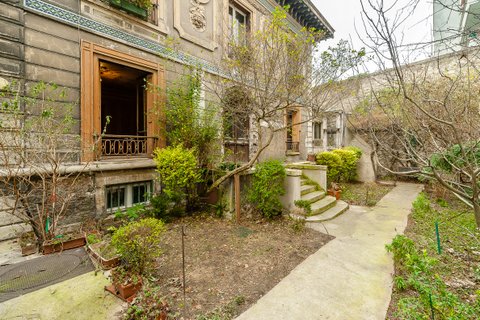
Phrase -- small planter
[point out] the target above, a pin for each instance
(60, 244)
(99, 254)
(311, 157)
(334, 193)
(28, 243)
(125, 290)
(130, 8)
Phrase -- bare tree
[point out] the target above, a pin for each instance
(424, 115)
(39, 152)
(268, 73)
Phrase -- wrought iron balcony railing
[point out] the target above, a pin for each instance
(293, 146)
(114, 145)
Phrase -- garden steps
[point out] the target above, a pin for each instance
(307, 188)
(314, 196)
(331, 213)
(323, 207)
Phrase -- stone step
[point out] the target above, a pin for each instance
(333, 212)
(323, 205)
(307, 188)
(6, 218)
(313, 196)
(303, 182)
(13, 231)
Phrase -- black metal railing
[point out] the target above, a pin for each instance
(115, 145)
(293, 146)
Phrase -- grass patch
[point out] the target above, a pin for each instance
(364, 194)
(447, 284)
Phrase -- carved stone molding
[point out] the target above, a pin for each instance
(195, 21)
(197, 14)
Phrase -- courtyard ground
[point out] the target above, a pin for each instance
(351, 276)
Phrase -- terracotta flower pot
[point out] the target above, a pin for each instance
(58, 245)
(334, 193)
(311, 157)
(125, 291)
(105, 262)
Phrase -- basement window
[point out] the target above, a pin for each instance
(121, 196)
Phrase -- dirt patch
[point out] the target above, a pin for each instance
(364, 194)
(226, 262)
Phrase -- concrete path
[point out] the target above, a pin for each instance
(351, 276)
(79, 298)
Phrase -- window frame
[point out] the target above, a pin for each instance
(235, 28)
(128, 194)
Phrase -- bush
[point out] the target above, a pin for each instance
(333, 163)
(267, 187)
(417, 273)
(178, 170)
(348, 170)
(138, 243)
(358, 151)
(165, 207)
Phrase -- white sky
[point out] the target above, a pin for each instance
(345, 17)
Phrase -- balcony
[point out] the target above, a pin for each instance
(114, 145)
(293, 146)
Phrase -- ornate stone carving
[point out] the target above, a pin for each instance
(197, 14)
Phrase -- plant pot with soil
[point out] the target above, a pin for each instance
(311, 157)
(63, 242)
(125, 284)
(28, 243)
(137, 244)
(104, 253)
(334, 193)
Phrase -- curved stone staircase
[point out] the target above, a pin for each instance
(324, 207)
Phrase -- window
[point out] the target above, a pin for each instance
(238, 23)
(317, 131)
(122, 196)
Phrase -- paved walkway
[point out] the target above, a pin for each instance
(351, 276)
(79, 298)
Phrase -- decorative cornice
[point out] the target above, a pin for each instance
(74, 19)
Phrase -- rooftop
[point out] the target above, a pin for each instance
(305, 13)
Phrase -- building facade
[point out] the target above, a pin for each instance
(104, 51)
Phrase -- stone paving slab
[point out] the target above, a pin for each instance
(351, 276)
(79, 298)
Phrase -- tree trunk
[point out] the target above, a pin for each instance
(476, 212)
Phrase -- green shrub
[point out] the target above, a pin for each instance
(305, 205)
(358, 151)
(333, 163)
(417, 273)
(267, 187)
(348, 170)
(421, 205)
(178, 171)
(138, 243)
(165, 207)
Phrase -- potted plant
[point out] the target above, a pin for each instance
(102, 251)
(148, 304)
(139, 8)
(137, 243)
(335, 190)
(28, 243)
(311, 157)
(63, 242)
(125, 283)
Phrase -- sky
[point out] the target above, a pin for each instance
(346, 18)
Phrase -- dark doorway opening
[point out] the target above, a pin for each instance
(123, 100)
